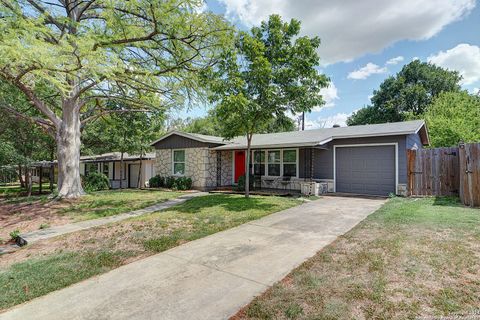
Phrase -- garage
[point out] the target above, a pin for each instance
(365, 169)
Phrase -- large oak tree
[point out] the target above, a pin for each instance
(143, 53)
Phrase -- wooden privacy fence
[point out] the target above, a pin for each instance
(446, 171)
(470, 174)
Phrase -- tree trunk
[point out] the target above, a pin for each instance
(20, 177)
(68, 153)
(247, 169)
(121, 171)
(28, 181)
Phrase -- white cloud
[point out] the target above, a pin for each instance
(352, 28)
(329, 94)
(475, 91)
(327, 122)
(395, 60)
(366, 71)
(464, 58)
(415, 58)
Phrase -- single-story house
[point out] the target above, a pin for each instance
(109, 164)
(136, 169)
(366, 159)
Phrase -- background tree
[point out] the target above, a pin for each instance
(272, 71)
(453, 116)
(23, 140)
(124, 132)
(210, 125)
(145, 53)
(407, 94)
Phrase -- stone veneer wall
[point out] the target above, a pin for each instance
(163, 162)
(200, 166)
(226, 174)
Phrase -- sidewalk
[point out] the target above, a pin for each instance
(34, 236)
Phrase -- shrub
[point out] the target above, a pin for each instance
(95, 181)
(170, 182)
(180, 183)
(15, 234)
(183, 183)
(156, 182)
(241, 183)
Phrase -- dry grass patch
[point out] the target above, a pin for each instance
(29, 214)
(413, 257)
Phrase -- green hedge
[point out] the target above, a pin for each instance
(175, 183)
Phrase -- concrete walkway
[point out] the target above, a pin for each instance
(47, 233)
(210, 278)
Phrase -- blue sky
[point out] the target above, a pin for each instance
(363, 42)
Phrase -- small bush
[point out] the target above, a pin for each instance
(241, 183)
(15, 234)
(156, 182)
(183, 183)
(180, 183)
(95, 181)
(170, 182)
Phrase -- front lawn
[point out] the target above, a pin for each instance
(58, 262)
(412, 258)
(29, 214)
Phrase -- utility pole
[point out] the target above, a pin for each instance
(303, 121)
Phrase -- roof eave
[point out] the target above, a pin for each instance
(185, 135)
(266, 146)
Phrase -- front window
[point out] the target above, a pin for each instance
(259, 163)
(290, 163)
(274, 163)
(179, 162)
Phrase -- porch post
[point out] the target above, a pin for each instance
(40, 180)
(311, 164)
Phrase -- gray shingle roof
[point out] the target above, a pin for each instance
(319, 137)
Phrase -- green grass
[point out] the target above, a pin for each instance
(411, 258)
(15, 189)
(111, 202)
(101, 249)
(21, 282)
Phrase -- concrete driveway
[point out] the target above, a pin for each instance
(210, 278)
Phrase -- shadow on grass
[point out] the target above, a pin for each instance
(233, 203)
(448, 201)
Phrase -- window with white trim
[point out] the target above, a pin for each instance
(289, 163)
(274, 163)
(259, 163)
(179, 162)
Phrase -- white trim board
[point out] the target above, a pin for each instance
(395, 144)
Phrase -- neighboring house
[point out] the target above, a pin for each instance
(368, 159)
(109, 164)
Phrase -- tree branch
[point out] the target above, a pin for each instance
(40, 105)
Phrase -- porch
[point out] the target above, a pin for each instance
(133, 173)
(285, 170)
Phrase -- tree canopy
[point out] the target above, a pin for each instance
(407, 94)
(453, 117)
(143, 53)
(271, 72)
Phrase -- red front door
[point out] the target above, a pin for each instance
(239, 164)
